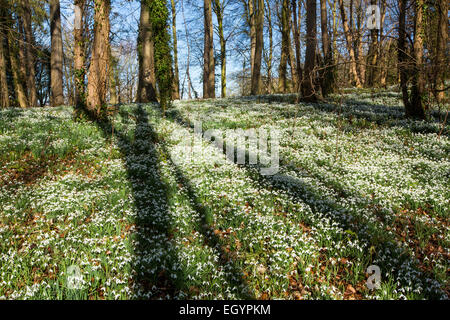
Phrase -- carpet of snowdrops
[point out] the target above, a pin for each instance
(140, 217)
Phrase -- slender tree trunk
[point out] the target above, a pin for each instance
(252, 24)
(308, 89)
(382, 48)
(188, 58)
(282, 70)
(79, 57)
(30, 60)
(208, 54)
(56, 73)
(335, 53)
(219, 10)
(22, 56)
(256, 72)
(146, 56)
(176, 73)
(18, 79)
(327, 73)
(4, 91)
(270, 57)
(418, 81)
(291, 57)
(98, 70)
(402, 54)
(441, 49)
(351, 51)
(112, 78)
(359, 44)
(373, 56)
(296, 34)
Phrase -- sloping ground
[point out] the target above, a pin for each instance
(141, 217)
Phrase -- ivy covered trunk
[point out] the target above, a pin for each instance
(159, 20)
(146, 56)
(79, 57)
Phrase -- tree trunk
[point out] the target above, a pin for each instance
(18, 80)
(22, 56)
(296, 35)
(268, 58)
(112, 78)
(208, 54)
(282, 70)
(30, 60)
(373, 76)
(188, 58)
(4, 91)
(98, 70)
(176, 74)
(79, 57)
(349, 40)
(146, 56)
(56, 73)
(441, 49)
(219, 10)
(256, 71)
(418, 81)
(402, 54)
(308, 89)
(291, 57)
(359, 44)
(327, 74)
(251, 23)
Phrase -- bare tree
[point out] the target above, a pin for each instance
(4, 91)
(441, 49)
(30, 54)
(57, 96)
(327, 78)
(349, 40)
(268, 58)
(208, 53)
(282, 70)
(413, 103)
(256, 71)
(219, 8)
(296, 35)
(176, 73)
(308, 89)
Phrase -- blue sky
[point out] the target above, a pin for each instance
(125, 23)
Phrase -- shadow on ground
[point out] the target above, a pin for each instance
(302, 191)
(155, 255)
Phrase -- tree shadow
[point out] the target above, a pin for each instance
(233, 274)
(304, 192)
(354, 109)
(154, 260)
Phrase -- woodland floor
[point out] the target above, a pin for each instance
(358, 185)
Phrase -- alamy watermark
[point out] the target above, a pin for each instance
(259, 147)
(372, 14)
(374, 280)
(74, 278)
